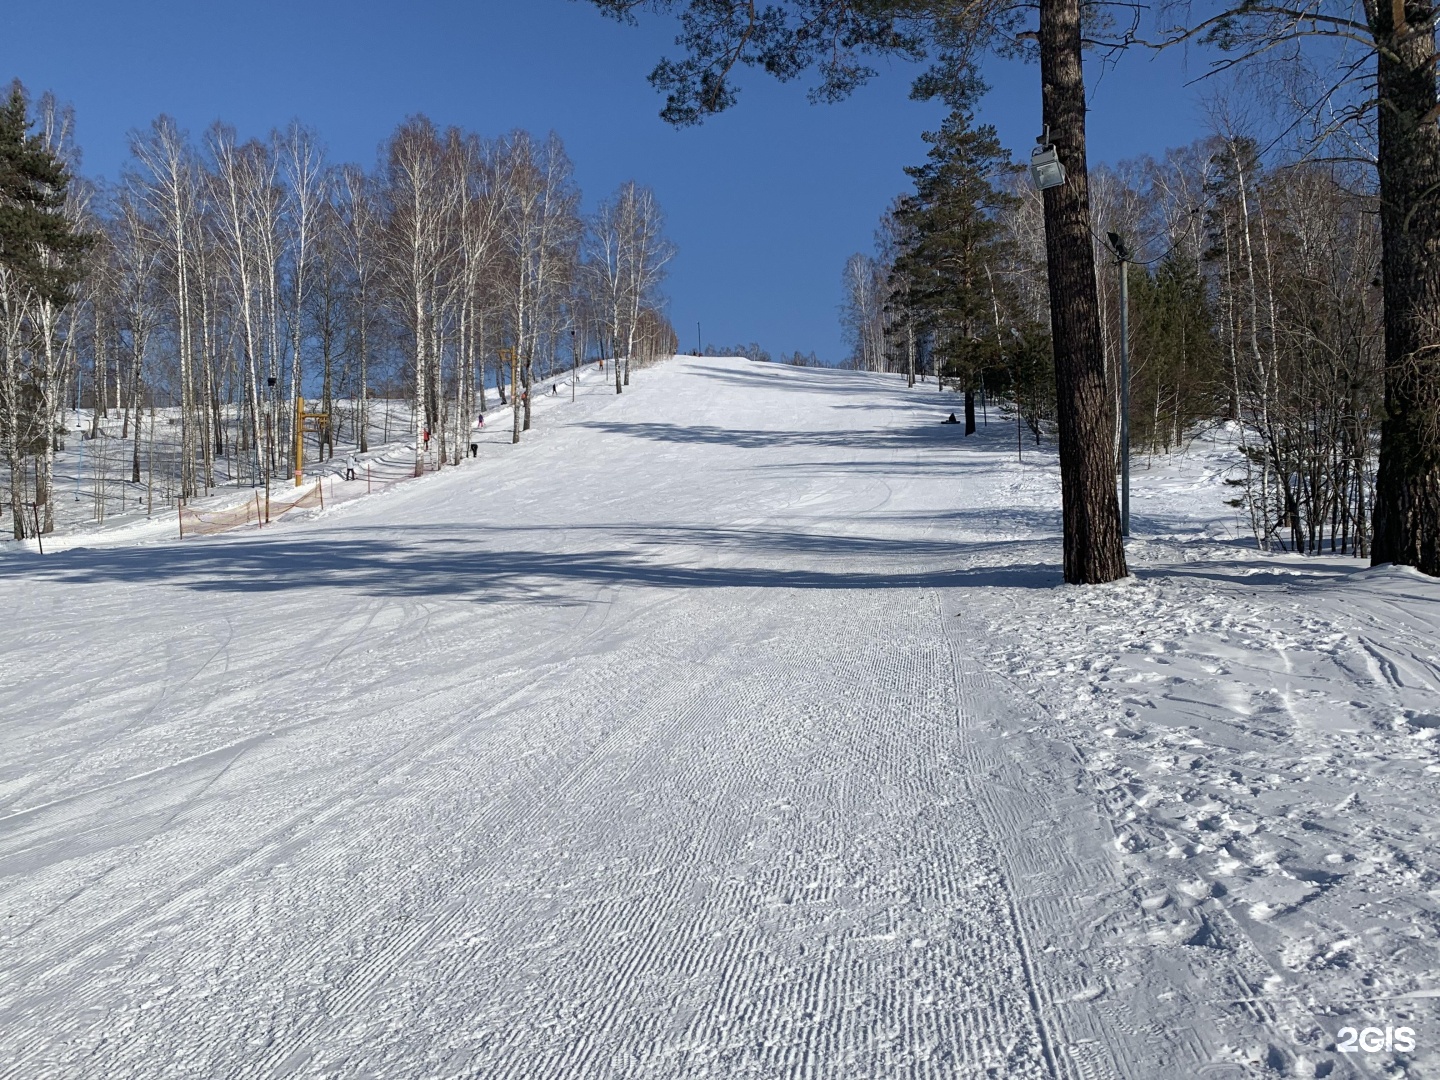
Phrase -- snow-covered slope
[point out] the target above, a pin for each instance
(736, 726)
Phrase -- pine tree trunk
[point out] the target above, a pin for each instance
(1407, 485)
(1094, 551)
(969, 410)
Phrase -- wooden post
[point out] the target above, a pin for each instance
(299, 441)
(180, 516)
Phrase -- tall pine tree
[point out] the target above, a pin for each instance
(41, 261)
(952, 239)
(39, 245)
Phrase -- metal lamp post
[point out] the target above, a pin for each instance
(1122, 258)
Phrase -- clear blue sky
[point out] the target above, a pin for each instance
(765, 202)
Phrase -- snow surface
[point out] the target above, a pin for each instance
(738, 726)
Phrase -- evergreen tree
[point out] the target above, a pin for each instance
(1175, 372)
(39, 245)
(41, 261)
(950, 240)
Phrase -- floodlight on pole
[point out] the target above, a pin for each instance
(1045, 166)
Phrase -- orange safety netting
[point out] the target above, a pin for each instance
(253, 511)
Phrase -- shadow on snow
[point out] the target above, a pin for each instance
(467, 561)
(937, 435)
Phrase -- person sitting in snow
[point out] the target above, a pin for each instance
(951, 420)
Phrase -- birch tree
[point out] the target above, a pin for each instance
(306, 190)
(242, 180)
(414, 191)
(542, 231)
(168, 184)
(630, 253)
(863, 311)
(361, 227)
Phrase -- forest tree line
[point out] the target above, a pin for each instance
(1253, 298)
(227, 280)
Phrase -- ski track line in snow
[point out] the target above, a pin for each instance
(529, 779)
(1082, 994)
(540, 787)
(313, 817)
(171, 685)
(656, 926)
(1267, 959)
(29, 814)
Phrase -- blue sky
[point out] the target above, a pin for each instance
(765, 202)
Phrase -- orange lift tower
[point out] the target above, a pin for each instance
(303, 423)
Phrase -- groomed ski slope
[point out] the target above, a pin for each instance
(738, 726)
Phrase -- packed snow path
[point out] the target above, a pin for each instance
(679, 741)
